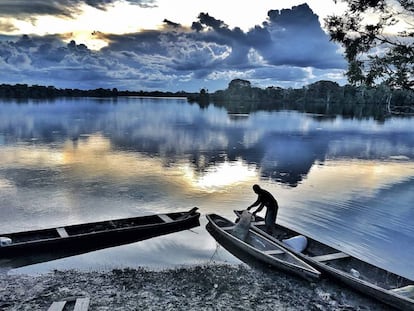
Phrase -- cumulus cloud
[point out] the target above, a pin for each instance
(289, 46)
(297, 39)
(289, 37)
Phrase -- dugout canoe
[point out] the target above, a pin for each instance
(96, 235)
(258, 247)
(389, 288)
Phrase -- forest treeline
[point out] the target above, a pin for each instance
(325, 93)
(241, 96)
(39, 91)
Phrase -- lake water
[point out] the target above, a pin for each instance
(347, 182)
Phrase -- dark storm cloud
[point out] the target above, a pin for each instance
(220, 33)
(44, 60)
(28, 8)
(297, 39)
(103, 3)
(210, 53)
(171, 24)
(289, 37)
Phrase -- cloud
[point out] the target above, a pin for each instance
(289, 47)
(296, 38)
(28, 8)
(171, 24)
(288, 37)
(7, 27)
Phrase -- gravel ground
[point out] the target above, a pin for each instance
(210, 287)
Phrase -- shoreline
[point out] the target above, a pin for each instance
(199, 287)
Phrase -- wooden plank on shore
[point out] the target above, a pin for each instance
(57, 306)
(81, 304)
(62, 232)
(328, 257)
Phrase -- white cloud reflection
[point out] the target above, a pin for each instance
(221, 177)
(93, 157)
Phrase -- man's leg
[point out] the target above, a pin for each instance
(270, 221)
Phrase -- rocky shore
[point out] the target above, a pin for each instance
(210, 287)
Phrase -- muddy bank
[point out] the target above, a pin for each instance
(211, 287)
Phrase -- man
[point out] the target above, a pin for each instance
(265, 198)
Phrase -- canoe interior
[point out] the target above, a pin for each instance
(354, 266)
(221, 222)
(23, 237)
(259, 247)
(73, 230)
(253, 239)
(114, 224)
(266, 246)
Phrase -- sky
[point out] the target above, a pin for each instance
(167, 45)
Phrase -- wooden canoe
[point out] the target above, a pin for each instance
(96, 235)
(385, 286)
(259, 247)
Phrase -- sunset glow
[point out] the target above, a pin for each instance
(168, 45)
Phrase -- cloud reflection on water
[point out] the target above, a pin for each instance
(79, 160)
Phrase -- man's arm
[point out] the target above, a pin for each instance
(258, 209)
(254, 204)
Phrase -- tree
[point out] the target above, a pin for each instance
(378, 38)
(237, 84)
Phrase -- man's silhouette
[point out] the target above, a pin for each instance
(265, 198)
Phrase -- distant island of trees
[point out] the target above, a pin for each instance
(240, 96)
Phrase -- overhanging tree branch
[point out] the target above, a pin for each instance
(377, 48)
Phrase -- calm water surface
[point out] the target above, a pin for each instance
(347, 182)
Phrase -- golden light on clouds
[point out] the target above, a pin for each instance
(122, 17)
